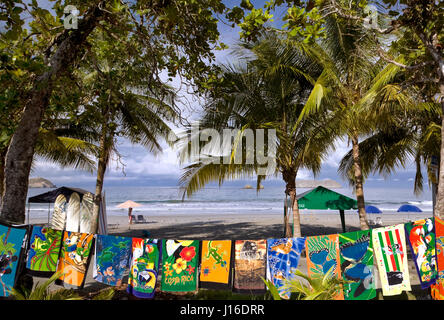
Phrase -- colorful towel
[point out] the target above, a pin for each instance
(282, 257)
(112, 259)
(391, 255)
(74, 259)
(44, 249)
(215, 267)
(11, 244)
(144, 267)
(250, 266)
(356, 256)
(323, 255)
(421, 237)
(438, 288)
(179, 265)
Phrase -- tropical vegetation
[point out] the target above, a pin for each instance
(369, 73)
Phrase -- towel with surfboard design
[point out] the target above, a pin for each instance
(180, 261)
(58, 220)
(323, 257)
(73, 213)
(356, 256)
(282, 259)
(215, 268)
(391, 256)
(88, 221)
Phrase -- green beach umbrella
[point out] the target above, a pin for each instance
(321, 198)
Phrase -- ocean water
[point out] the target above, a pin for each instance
(232, 200)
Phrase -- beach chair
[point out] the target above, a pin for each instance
(141, 219)
(133, 219)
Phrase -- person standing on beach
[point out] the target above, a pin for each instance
(130, 217)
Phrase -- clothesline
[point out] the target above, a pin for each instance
(240, 265)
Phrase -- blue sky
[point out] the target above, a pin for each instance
(143, 169)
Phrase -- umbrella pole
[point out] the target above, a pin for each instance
(341, 213)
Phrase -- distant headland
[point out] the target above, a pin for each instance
(327, 183)
(40, 183)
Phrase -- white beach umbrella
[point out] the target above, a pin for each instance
(129, 204)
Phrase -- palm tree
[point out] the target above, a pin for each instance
(63, 148)
(123, 103)
(268, 92)
(349, 68)
(406, 127)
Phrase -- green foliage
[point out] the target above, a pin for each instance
(42, 292)
(323, 287)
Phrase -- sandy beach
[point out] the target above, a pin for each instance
(238, 227)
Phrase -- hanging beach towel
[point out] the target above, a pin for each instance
(73, 213)
(250, 266)
(74, 259)
(12, 241)
(111, 259)
(391, 255)
(421, 237)
(438, 288)
(282, 257)
(356, 256)
(58, 219)
(215, 269)
(144, 269)
(88, 221)
(322, 256)
(180, 261)
(44, 248)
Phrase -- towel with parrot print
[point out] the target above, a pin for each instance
(11, 245)
(180, 260)
(438, 288)
(356, 256)
(44, 249)
(74, 259)
(391, 256)
(215, 267)
(323, 257)
(111, 259)
(282, 257)
(144, 270)
(421, 237)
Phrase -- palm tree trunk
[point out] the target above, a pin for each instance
(296, 215)
(439, 205)
(104, 153)
(289, 177)
(358, 184)
(2, 172)
(21, 150)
